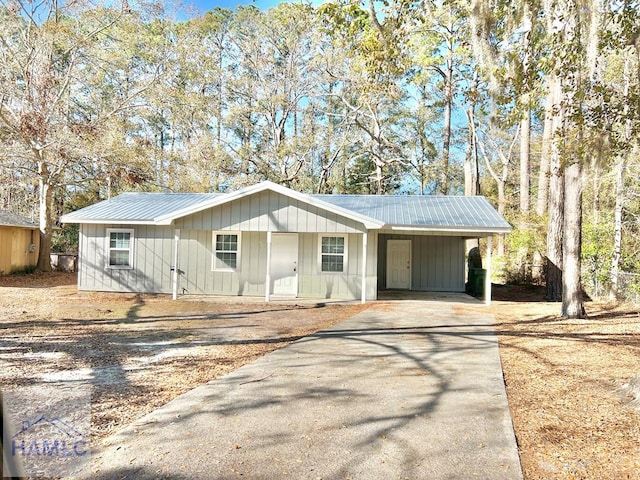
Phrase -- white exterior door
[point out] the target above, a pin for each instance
(284, 264)
(399, 264)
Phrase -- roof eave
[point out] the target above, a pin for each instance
(110, 221)
(451, 229)
(30, 227)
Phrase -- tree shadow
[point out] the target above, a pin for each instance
(273, 403)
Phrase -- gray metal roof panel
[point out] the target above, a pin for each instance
(456, 212)
(427, 211)
(10, 219)
(137, 207)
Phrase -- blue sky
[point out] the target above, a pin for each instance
(205, 5)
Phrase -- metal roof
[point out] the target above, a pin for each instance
(426, 211)
(9, 219)
(136, 207)
(429, 213)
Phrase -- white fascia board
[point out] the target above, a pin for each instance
(483, 231)
(369, 223)
(109, 221)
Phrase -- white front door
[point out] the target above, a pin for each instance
(284, 264)
(399, 264)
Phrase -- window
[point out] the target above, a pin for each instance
(333, 253)
(226, 251)
(120, 248)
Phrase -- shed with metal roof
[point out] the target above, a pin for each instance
(269, 240)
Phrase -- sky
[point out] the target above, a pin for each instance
(205, 5)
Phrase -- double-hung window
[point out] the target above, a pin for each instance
(119, 248)
(333, 253)
(226, 251)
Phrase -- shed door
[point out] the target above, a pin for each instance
(284, 264)
(399, 264)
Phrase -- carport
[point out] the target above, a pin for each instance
(427, 262)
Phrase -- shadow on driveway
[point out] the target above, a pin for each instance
(411, 390)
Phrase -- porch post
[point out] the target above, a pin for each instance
(364, 267)
(176, 270)
(267, 281)
(487, 280)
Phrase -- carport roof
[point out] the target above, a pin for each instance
(424, 211)
(464, 214)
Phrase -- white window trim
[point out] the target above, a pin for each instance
(108, 248)
(213, 250)
(345, 261)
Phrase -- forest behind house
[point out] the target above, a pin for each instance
(534, 104)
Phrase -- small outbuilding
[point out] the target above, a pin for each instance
(268, 240)
(19, 242)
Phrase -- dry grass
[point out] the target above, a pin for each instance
(564, 378)
(136, 353)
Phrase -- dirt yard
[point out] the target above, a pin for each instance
(135, 352)
(573, 416)
(565, 379)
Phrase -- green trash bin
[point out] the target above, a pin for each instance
(477, 279)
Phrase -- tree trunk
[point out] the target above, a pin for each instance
(617, 237)
(502, 201)
(555, 224)
(572, 301)
(620, 168)
(46, 224)
(525, 149)
(555, 236)
(523, 254)
(542, 198)
(446, 142)
(471, 183)
(543, 175)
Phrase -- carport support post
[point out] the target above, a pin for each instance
(364, 267)
(267, 280)
(176, 271)
(487, 278)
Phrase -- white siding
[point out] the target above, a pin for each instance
(268, 211)
(151, 270)
(196, 250)
(437, 262)
(348, 285)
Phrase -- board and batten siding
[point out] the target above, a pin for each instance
(437, 262)
(151, 272)
(315, 284)
(268, 211)
(195, 264)
(153, 256)
(197, 277)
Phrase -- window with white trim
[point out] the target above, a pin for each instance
(226, 251)
(333, 253)
(119, 248)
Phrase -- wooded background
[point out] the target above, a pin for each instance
(534, 104)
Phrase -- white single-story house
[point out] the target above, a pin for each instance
(268, 240)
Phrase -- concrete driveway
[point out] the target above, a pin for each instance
(405, 389)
